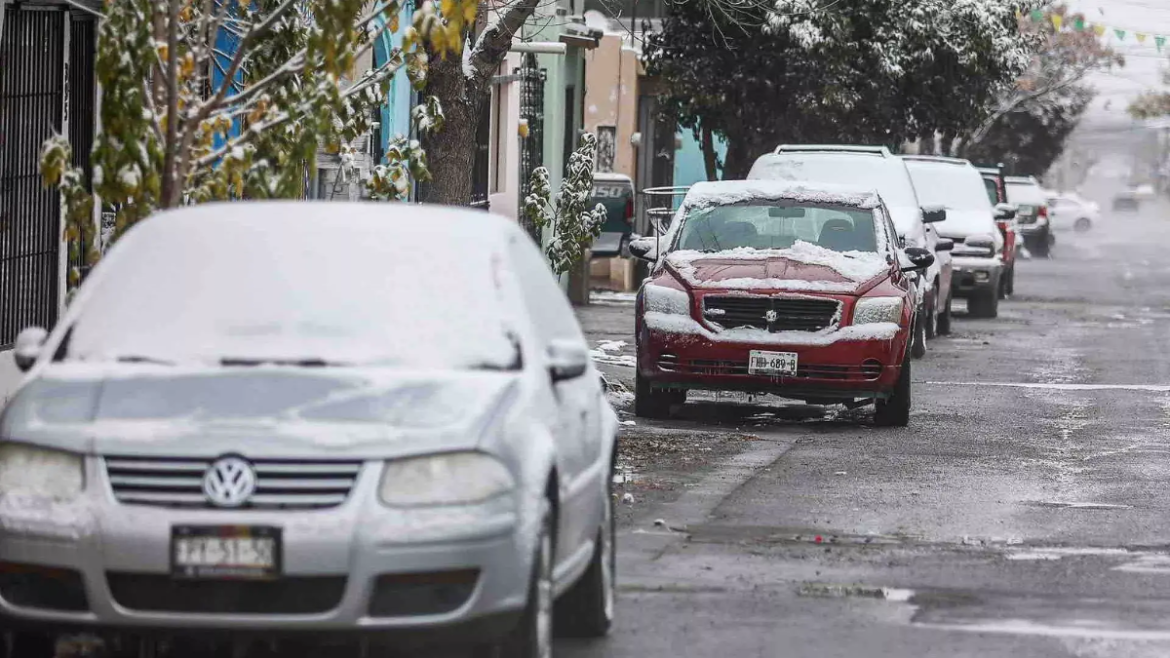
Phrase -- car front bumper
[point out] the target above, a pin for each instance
(1031, 230)
(360, 567)
(844, 370)
(974, 276)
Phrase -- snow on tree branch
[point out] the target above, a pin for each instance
(574, 227)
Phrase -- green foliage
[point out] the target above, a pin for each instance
(169, 137)
(574, 226)
(405, 159)
(851, 71)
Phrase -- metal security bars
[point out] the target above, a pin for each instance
(33, 82)
(82, 108)
(532, 111)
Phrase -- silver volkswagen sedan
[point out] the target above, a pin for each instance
(362, 422)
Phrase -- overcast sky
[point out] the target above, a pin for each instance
(1143, 69)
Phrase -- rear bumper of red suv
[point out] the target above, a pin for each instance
(844, 369)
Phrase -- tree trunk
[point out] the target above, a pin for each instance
(451, 151)
(741, 155)
(710, 157)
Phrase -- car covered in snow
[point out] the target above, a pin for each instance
(977, 252)
(1032, 221)
(780, 288)
(1070, 212)
(283, 421)
(876, 168)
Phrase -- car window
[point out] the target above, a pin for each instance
(992, 190)
(776, 226)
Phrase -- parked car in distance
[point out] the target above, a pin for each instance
(1126, 201)
(876, 168)
(283, 420)
(1032, 215)
(1071, 212)
(615, 192)
(1005, 219)
(977, 254)
(782, 288)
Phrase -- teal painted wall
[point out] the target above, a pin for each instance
(688, 159)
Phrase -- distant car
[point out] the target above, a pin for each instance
(977, 254)
(616, 193)
(1071, 212)
(1126, 201)
(287, 419)
(791, 289)
(1144, 192)
(876, 168)
(1029, 197)
(995, 183)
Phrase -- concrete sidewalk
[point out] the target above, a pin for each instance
(608, 323)
(9, 376)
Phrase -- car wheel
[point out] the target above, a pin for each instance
(31, 645)
(1083, 224)
(533, 636)
(649, 403)
(895, 411)
(932, 315)
(944, 318)
(984, 304)
(918, 348)
(587, 609)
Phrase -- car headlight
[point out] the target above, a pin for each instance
(661, 299)
(878, 309)
(28, 470)
(457, 478)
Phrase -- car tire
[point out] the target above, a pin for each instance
(587, 609)
(984, 304)
(31, 645)
(931, 328)
(533, 635)
(918, 346)
(895, 411)
(944, 318)
(1082, 225)
(649, 403)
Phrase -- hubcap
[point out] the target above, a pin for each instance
(544, 599)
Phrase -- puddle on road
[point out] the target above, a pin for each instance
(824, 590)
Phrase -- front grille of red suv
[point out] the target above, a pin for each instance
(868, 371)
(772, 313)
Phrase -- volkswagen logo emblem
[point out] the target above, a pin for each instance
(230, 482)
(771, 316)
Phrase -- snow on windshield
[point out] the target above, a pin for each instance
(885, 175)
(958, 188)
(856, 266)
(250, 284)
(1026, 193)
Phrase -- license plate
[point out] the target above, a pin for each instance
(772, 363)
(225, 551)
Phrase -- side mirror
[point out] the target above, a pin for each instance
(28, 347)
(920, 259)
(933, 214)
(567, 359)
(644, 249)
(1005, 212)
(944, 244)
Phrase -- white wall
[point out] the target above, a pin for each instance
(9, 376)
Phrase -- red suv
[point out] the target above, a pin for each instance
(774, 287)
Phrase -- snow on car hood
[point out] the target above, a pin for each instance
(267, 412)
(802, 267)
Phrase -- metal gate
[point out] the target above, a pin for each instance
(32, 107)
(531, 110)
(481, 165)
(82, 108)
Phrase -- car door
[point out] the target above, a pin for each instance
(578, 433)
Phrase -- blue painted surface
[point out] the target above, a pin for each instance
(396, 111)
(688, 160)
(227, 44)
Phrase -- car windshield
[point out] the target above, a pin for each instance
(295, 293)
(858, 171)
(778, 226)
(960, 190)
(1026, 194)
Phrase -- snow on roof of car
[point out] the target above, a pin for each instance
(718, 193)
(608, 177)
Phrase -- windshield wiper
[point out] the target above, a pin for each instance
(144, 359)
(298, 363)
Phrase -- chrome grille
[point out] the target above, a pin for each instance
(280, 483)
(786, 313)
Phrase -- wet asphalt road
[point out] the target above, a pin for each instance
(1026, 511)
